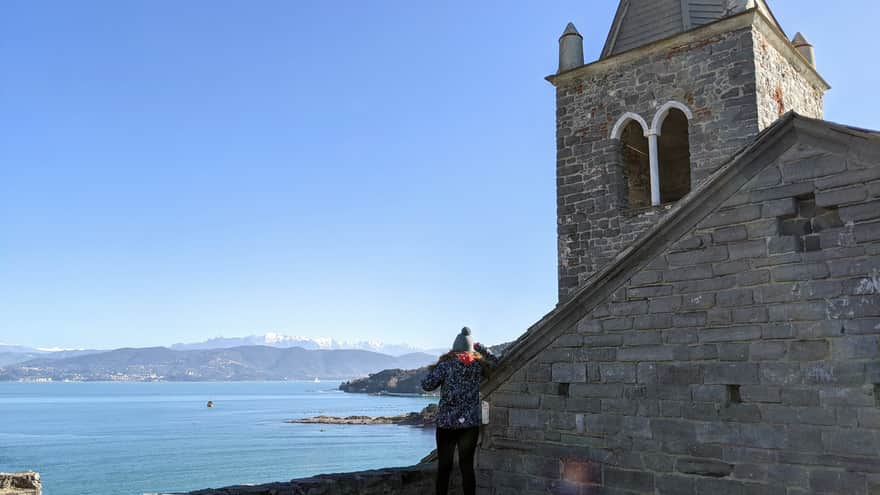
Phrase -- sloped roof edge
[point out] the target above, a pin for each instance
(610, 49)
(718, 188)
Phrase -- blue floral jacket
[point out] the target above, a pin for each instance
(460, 390)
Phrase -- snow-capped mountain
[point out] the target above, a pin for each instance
(273, 339)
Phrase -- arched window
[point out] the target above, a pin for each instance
(635, 164)
(632, 131)
(673, 149)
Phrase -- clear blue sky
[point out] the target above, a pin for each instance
(172, 171)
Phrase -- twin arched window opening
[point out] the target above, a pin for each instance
(655, 159)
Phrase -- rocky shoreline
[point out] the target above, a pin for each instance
(27, 483)
(423, 419)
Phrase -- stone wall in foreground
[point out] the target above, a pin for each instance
(743, 359)
(414, 480)
(20, 484)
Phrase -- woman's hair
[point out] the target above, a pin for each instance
(476, 355)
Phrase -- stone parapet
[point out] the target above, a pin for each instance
(413, 480)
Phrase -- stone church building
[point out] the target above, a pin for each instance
(718, 326)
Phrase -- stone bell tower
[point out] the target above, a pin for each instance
(680, 87)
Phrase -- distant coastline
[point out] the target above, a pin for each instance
(245, 363)
(424, 419)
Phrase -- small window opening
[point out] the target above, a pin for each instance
(877, 394)
(675, 157)
(808, 221)
(734, 395)
(636, 165)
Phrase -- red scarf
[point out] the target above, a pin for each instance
(466, 358)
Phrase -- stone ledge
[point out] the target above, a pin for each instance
(413, 480)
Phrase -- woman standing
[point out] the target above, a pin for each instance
(459, 373)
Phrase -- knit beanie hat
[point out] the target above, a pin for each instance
(464, 342)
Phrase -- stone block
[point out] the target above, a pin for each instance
(734, 297)
(618, 323)
(844, 196)
(750, 249)
(638, 481)
(688, 273)
(703, 467)
(646, 353)
(805, 271)
(596, 391)
(811, 311)
(706, 255)
(569, 372)
(733, 352)
(731, 216)
(730, 234)
(698, 301)
(696, 319)
(780, 207)
(849, 441)
(767, 350)
(646, 277)
(809, 350)
(748, 279)
(648, 322)
(730, 334)
(856, 347)
(731, 267)
(617, 372)
(757, 314)
(527, 418)
(813, 167)
(836, 482)
(649, 292)
(785, 244)
(761, 230)
(665, 304)
(860, 212)
(518, 401)
(866, 232)
(847, 396)
(730, 373)
(760, 393)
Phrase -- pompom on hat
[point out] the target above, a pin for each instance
(464, 342)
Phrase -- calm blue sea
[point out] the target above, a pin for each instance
(135, 438)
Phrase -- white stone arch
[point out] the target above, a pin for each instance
(624, 119)
(663, 111)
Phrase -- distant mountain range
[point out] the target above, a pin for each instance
(227, 364)
(273, 339)
(11, 354)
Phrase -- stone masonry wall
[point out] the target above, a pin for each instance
(782, 87)
(744, 360)
(714, 76)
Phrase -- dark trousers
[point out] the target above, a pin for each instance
(466, 440)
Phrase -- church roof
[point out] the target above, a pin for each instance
(788, 131)
(640, 22)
